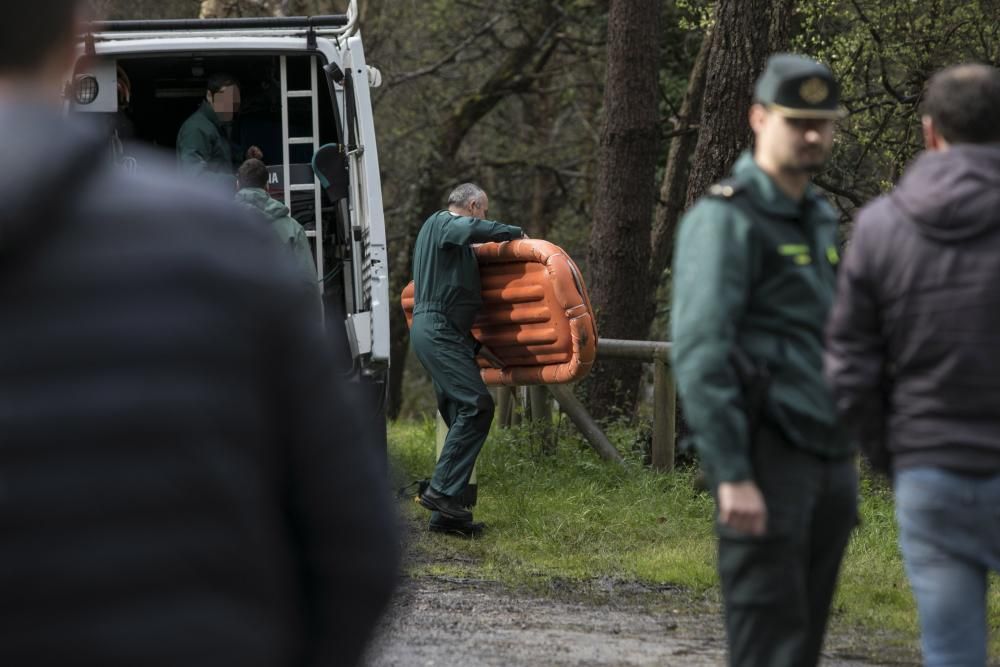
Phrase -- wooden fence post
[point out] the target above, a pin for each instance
(572, 406)
(664, 416)
(503, 401)
(541, 416)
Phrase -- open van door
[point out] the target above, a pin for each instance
(305, 102)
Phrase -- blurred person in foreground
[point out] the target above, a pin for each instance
(182, 480)
(753, 282)
(913, 359)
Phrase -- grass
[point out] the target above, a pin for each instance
(873, 590)
(564, 514)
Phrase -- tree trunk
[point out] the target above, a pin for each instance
(673, 188)
(623, 206)
(543, 198)
(211, 9)
(780, 33)
(544, 202)
(735, 60)
(214, 9)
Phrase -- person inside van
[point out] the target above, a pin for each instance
(203, 143)
(252, 182)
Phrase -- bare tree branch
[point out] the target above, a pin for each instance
(852, 197)
(446, 59)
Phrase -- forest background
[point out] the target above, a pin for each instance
(596, 123)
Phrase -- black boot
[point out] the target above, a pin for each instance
(448, 506)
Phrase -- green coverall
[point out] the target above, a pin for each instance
(203, 149)
(755, 270)
(446, 300)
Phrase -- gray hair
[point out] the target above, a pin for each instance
(464, 194)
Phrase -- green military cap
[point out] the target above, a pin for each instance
(798, 87)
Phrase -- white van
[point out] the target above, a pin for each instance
(305, 86)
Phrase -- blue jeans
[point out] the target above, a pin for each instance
(949, 531)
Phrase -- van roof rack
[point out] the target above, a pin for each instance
(273, 23)
(338, 25)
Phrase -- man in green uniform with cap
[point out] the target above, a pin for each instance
(753, 282)
(446, 300)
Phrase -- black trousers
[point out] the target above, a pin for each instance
(777, 587)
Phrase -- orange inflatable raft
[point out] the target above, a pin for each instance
(536, 315)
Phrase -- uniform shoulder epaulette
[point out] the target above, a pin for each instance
(726, 189)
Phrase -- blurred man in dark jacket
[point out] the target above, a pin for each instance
(914, 361)
(182, 480)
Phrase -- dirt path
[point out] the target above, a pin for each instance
(447, 622)
(438, 622)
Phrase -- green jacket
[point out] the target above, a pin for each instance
(202, 147)
(445, 269)
(290, 232)
(754, 269)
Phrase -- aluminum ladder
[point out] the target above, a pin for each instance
(287, 142)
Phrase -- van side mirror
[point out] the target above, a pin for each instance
(329, 163)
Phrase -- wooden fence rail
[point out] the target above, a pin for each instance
(664, 401)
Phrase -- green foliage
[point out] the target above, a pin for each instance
(883, 52)
(567, 515)
(694, 15)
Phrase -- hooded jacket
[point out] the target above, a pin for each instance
(289, 231)
(180, 469)
(913, 354)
